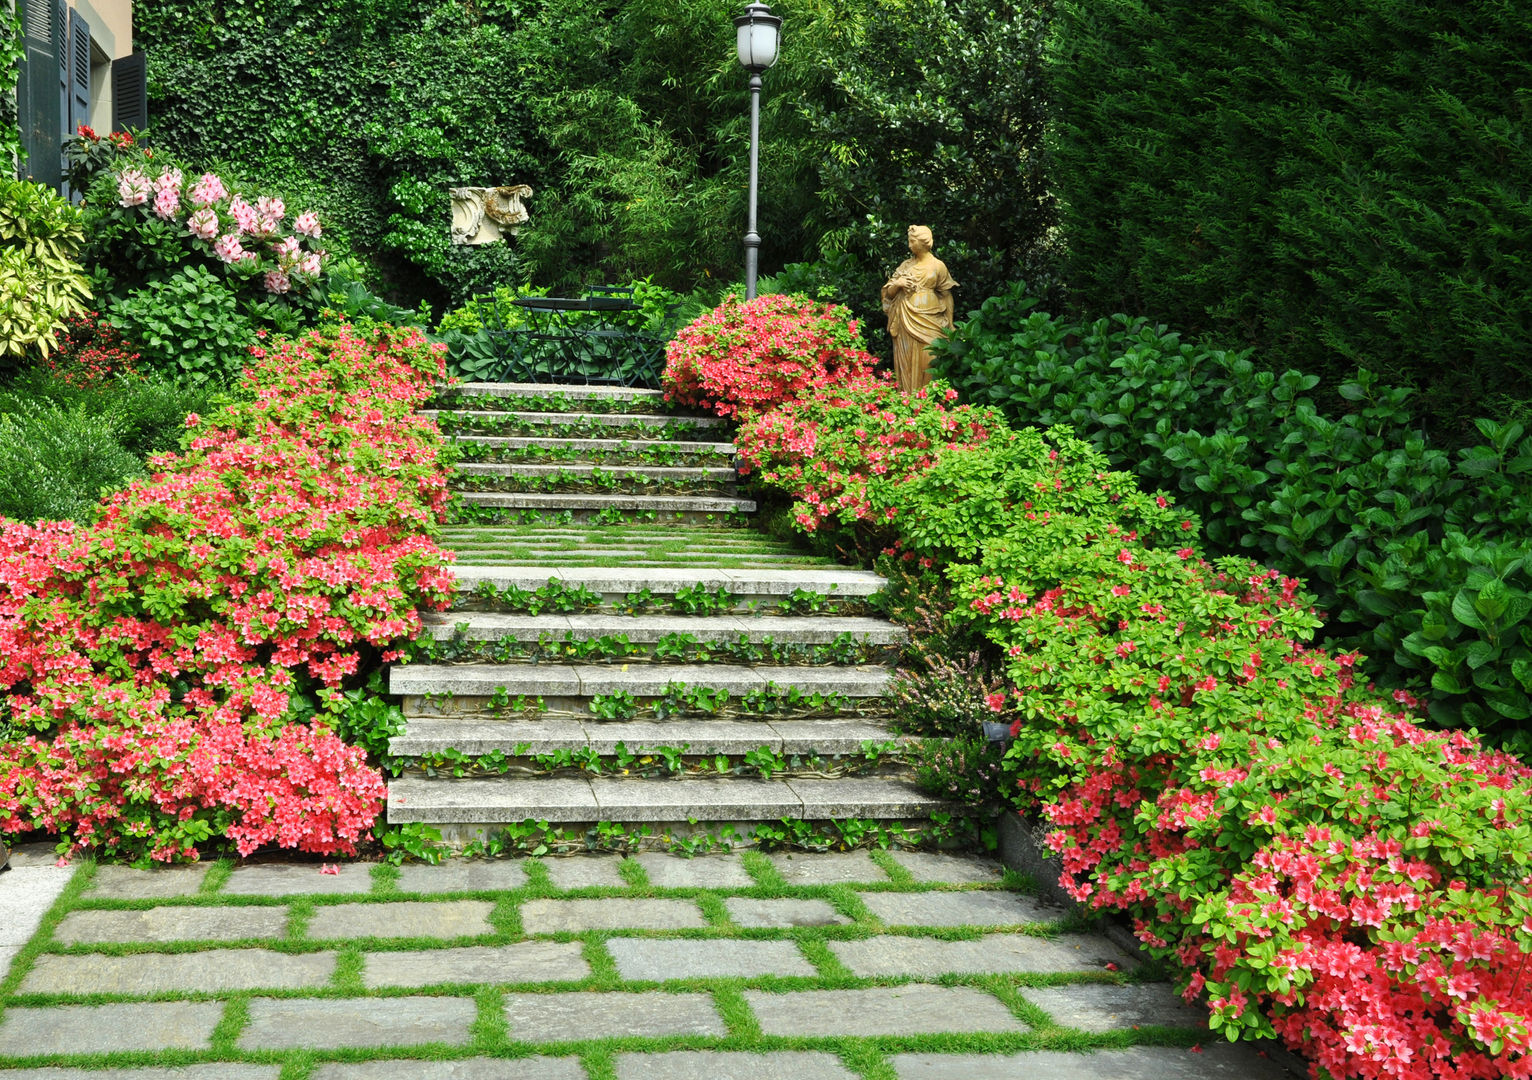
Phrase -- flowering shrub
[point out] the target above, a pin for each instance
(154, 657)
(1326, 869)
(91, 353)
(844, 452)
(743, 358)
(149, 216)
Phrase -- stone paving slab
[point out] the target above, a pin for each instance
(214, 971)
(958, 909)
(91, 1029)
(590, 1015)
(750, 912)
(403, 918)
(915, 1009)
(1216, 1062)
(216, 1071)
(126, 883)
(533, 1068)
(874, 797)
(298, 879)
(993, 954)
(722, 1065)
(658, 959)
(159, 925)
(932, 867)
(30, 856)
(525, 961)
(701, 872)
(585, 871)
(7, 954)
(1100, 1009)
(462, 875)
(332, 1024)
(26, 893)
(554, 916)
(832, 868)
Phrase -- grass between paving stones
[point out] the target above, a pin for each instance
(865, 1056)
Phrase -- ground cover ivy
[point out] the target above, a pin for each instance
(156, 663)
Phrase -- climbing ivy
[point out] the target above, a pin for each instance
(12, 49)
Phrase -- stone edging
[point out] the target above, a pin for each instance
(1022, 849)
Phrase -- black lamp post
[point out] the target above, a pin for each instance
(758, 33)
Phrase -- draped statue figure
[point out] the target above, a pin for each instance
(918, 302)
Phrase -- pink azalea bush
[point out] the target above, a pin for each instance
(153, 660)
(1324, 867)
(744, 358)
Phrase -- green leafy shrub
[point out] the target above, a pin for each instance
(1328, 182)
(41, 281)
(56, 463)
(187, 325)
(1362, 506)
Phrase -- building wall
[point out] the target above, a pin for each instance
(111, 37)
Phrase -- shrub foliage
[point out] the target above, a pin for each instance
(1337, 183)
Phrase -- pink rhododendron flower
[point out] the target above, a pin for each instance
(170, 179)
(270, 207)
(228, 248)
(310, 264)
(286, 251)
(133, 188)
(167, 203)
(244, 214)
(277, 281)
(203, 223)
(307, 224)
(207, 190)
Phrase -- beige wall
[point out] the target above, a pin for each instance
(111, 35)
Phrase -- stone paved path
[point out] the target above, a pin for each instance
(885, 966)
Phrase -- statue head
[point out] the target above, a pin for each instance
(920, 239)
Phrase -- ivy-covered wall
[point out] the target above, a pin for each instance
(1337, 182)
(12, 50)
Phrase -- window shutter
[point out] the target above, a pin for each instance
(79, 73)
(130, 92)
(37, 94)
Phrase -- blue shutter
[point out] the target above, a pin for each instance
(37, 94)
(130, 93)
(79, 73)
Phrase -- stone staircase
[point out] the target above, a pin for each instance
(624, 649)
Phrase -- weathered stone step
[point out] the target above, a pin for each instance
(583, 506)
(490, 421)
(616, 585)
(716, 474)
(618, 479)
(639, 679)
(570, 392)
(731, 737)
(649, 629)
(549, 450)
(498, 801)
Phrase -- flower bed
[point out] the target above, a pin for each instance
(1322, 866)
(155, 663)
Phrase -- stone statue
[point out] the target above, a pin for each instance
(918, 303)
(483, 215)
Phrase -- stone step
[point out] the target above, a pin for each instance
(642, 680)
(603, 394)
(468, 419)
(427, 735)
(761, 587)
(630, 479)
(487, 802)
(552, 450)
(590, 506)
(650, 629)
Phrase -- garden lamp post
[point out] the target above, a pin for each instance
(757, 34)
